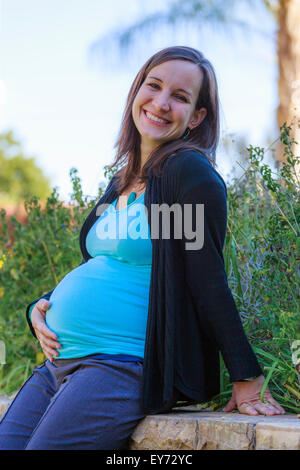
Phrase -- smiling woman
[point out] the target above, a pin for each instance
(164, 106)
(140, 323)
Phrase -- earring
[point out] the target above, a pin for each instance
(187, 133)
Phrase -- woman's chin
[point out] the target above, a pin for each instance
(155, 138)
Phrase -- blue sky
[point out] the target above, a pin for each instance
(67, 111)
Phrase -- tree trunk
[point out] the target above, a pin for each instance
(288, 43)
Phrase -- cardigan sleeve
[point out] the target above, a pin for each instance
(30, 306)
(200, 184)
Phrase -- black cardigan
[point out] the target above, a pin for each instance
(192, 314)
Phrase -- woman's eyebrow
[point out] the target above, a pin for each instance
(178, 89)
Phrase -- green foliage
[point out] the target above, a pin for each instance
(20, 177)
(261, 257)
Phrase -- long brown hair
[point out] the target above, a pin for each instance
(204, 138)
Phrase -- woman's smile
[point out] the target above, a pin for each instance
(156, 120)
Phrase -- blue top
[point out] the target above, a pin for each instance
(102, 305)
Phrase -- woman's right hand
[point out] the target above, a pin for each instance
(46, 337)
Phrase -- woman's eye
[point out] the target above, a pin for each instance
(153, 85)
(182, 98)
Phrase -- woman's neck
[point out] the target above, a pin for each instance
(146, 149)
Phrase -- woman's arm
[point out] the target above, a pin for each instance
(199, 183)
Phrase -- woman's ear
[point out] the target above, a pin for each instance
(198, 117)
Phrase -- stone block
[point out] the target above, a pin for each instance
(194, 431)
(200, 430)
(284, 435)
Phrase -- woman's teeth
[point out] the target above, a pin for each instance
(154, 118)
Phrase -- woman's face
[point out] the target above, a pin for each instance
(165, 103)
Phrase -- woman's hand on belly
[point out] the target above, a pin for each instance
(46, 337)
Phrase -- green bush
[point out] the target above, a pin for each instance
(261, 258)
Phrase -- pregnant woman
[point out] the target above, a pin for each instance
(140, 323)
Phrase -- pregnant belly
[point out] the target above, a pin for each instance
(96, 305)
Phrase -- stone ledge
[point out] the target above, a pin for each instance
(204, 430)
(191, 429)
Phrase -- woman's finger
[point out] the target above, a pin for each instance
(50, 343)
(266, 409)
(274, 403)
(247, 409)
(230, 406)
(39, 323)
(45, 331)
(49, 352)
(43, 305)
(48, 336)
(45, 341)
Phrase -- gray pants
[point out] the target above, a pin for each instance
(85, 403)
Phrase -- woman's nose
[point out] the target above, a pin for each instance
(161, 102)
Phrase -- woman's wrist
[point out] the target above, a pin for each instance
(249, 379)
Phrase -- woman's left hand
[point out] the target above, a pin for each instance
(246, 397)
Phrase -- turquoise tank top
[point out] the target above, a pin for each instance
(102, 305)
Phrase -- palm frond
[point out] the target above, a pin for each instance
(202, 13)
